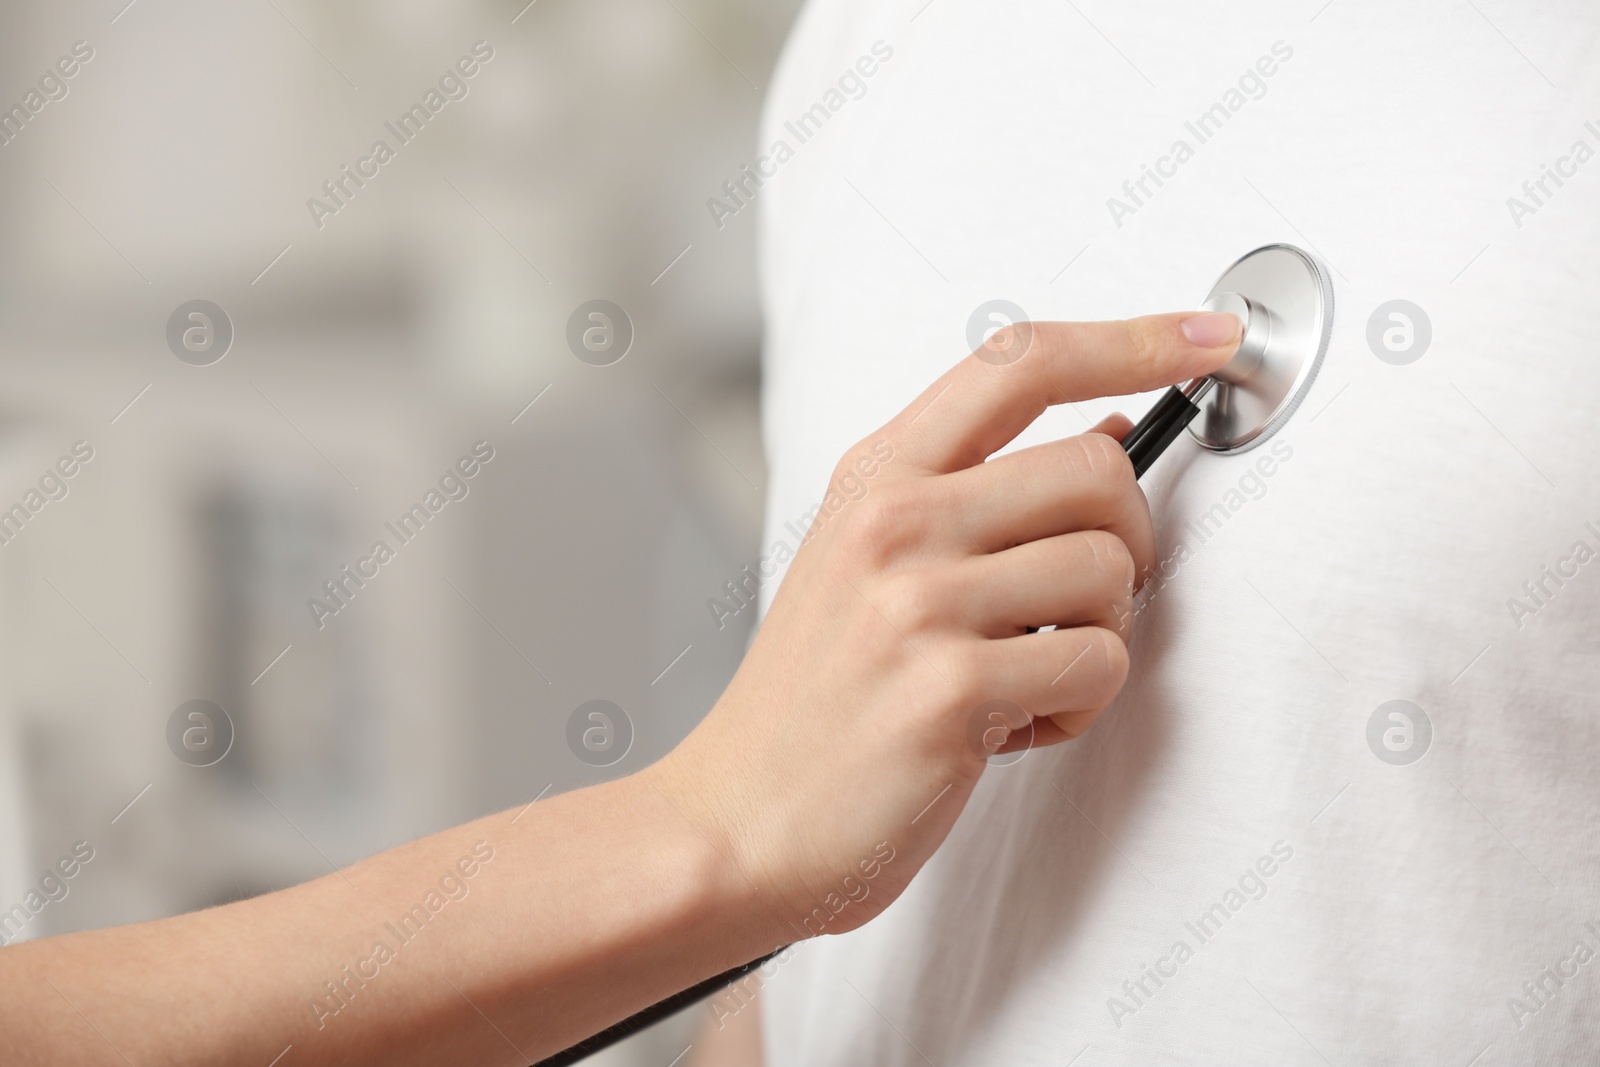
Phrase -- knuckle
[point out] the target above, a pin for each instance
(917, 601)
(1103, 460)
(1117, 570)
(1110, 555)
(1002, 342)
(1113, 654)
(841, 470)
(862, 461)
(1144, 347)
(972, 677)
(882, 521)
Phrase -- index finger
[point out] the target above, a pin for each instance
(982, 403)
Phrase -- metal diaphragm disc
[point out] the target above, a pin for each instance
(1291, 291)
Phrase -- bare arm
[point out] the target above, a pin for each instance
(500, 941)
(895, 659)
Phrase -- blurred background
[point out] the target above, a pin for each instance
(375, 341)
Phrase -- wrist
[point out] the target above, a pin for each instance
(722, 908)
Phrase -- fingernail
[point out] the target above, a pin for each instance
(1212, 329)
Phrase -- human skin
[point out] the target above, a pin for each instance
(726, 1037)
(846, 735)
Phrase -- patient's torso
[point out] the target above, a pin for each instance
(1256, 865)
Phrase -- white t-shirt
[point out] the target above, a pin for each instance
(1238, 864)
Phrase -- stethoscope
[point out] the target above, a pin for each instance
(1284, 298)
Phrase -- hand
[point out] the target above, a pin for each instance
(829, 771)
(860, 720)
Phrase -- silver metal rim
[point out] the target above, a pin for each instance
(1300, 301)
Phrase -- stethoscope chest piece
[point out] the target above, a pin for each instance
(1285, 298)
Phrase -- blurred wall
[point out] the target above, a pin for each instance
(375, 342)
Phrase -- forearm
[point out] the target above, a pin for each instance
(576, 912)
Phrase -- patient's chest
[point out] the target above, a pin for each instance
(1420, 531)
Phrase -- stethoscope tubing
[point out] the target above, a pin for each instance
(653, 1014)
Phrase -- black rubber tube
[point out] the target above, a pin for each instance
(652, 1015)
(1159, 428)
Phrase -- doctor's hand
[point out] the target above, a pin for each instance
(896, 655)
